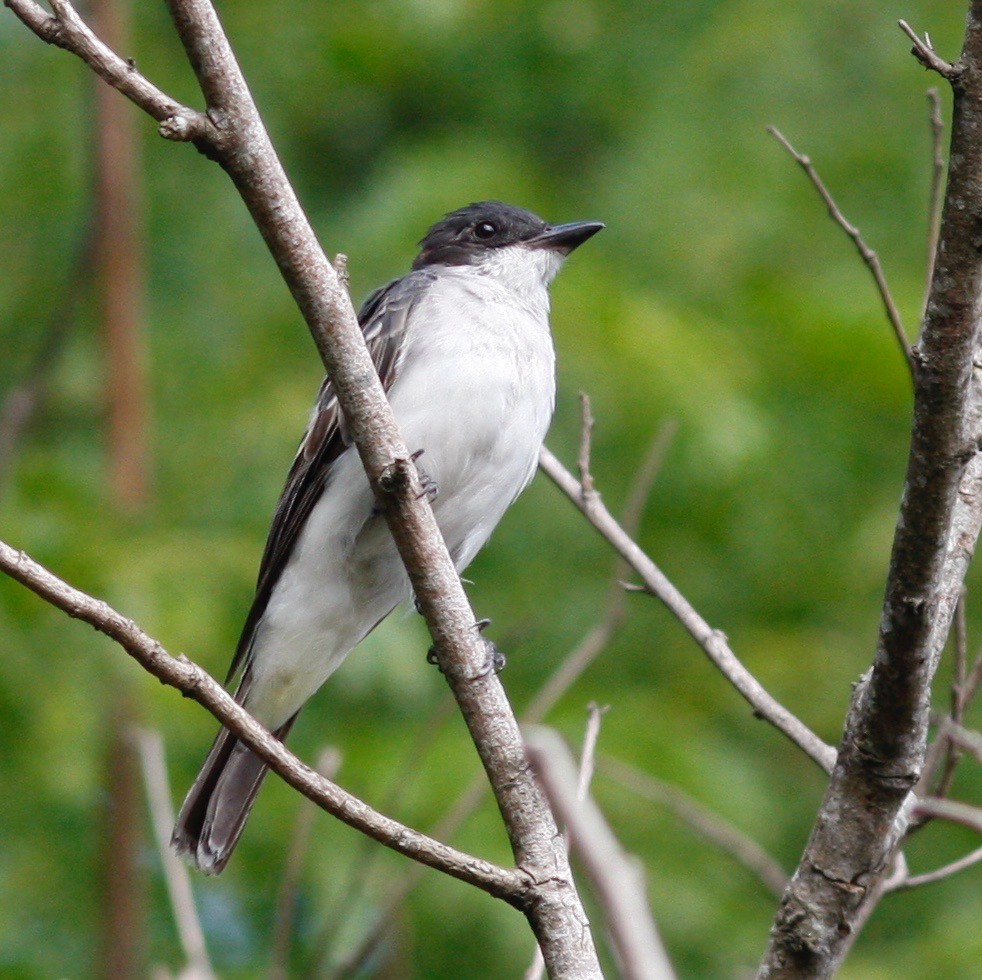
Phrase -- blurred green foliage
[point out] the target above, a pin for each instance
(720, 296)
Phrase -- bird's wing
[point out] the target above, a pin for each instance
(383, 319)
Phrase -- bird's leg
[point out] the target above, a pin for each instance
(496, 659)
(430, 486)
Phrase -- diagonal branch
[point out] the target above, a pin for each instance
(713, 642)
(195, 683)
(869, 256)
(66, 29)
(923, 51)
(960, 813)
(906, 882)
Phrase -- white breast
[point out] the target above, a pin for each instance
(476, 395)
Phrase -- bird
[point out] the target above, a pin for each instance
(463, 348)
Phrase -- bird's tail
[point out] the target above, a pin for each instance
(217, 805)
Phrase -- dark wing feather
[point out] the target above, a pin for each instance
(383, 319)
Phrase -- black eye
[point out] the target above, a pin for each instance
(485, 230)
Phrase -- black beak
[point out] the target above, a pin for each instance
(564, 238)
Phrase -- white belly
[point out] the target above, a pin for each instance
(480, 419)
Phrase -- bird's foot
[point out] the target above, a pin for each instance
(495, 658)
(430, 488)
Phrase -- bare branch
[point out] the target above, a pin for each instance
(961, 813)
(66, 29)
(693, 814)
(192, 938)
(588, 756)
(616, 876)
(939, 874)
(965, 739)
(923, 51)
(864, 813)
(586, 434)
(869, 256)
(712, 642)
(968, 688)
(193, 682)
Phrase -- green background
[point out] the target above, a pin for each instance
(720, 296)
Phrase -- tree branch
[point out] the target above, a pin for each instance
(868, 255)
(65, 29)
(923, 51)
(232, 133)
(882, 750)
(510, 885)
(906, 882)
(960, 813)
(713, 642)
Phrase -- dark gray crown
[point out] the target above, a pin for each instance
(465, 234)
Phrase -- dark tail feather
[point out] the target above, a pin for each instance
(217, 805)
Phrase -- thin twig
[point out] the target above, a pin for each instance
(588, 756)
(700, 819)
(966, 739)
(192, 938)
(868, 255)
(970, 686)
(943, 753)
(713, 642)
(586, 435)
(939, 874)
(960, 813)
(923, 51)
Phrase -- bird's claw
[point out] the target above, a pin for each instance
(430, 488)
(495, 661)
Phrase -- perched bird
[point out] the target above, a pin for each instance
(463, 348)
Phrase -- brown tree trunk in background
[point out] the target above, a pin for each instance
(119, 282)
(119, 273)
(124, 953)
